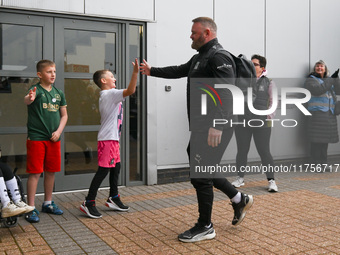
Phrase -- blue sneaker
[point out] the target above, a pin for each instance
(51, 208)
(32, 217)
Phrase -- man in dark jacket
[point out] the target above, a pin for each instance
(207, 142)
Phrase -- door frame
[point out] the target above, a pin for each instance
(83, 180)
(10, 18)
(50, 22)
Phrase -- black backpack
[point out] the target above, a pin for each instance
(245, 78)
(245, 73)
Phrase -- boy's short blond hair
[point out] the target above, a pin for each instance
(98, 75)
(43, 63)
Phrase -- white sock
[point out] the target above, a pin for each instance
(3, 193)
(13, 190)
(47, 202)
(237, 198)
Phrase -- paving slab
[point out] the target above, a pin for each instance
(302, 218)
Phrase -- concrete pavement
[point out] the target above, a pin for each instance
(302, 218)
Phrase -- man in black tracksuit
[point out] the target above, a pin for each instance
(207, 143)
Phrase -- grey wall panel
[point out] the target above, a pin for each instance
(241, 25)
(173, 47)
(127, 9)
(74, 6)
(325, 34)
(241, 30)
(287, 38)
(287, 52)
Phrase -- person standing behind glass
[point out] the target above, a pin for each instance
(322, 124)
(263, 101)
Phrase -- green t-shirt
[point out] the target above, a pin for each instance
(44, 113)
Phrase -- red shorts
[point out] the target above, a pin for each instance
(108, 153)
(43, 156)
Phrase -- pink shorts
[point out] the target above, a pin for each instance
(43, 156)
(108, 153)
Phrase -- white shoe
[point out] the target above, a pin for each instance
(238, 182)
(272, 187)
(11, 210)
(27, 207)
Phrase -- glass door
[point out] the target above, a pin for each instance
(79, 47)
(24, 40)
(83, 47)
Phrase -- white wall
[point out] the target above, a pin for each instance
(241, 30)
(127, 9)
(74, 6)
(291, 34)
(287, 51)
(172, 46)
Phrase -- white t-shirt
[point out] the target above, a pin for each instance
(111, 113)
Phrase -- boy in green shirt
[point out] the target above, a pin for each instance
(47, 117)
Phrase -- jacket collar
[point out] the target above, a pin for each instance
(264, 73)
(208, 45)
(317, 75)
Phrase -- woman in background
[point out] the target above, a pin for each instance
(322, 124)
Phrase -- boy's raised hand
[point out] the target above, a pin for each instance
(31, 94)
(135, 66)
(133, 82)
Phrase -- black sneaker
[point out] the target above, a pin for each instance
(90, 209)
(116, 204)
(197, 233)
(241, 208)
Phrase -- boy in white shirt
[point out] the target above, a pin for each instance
(111, 112)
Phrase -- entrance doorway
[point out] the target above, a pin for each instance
(79, 47)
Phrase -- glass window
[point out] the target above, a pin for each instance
(21, 47)
(135, 37)
(13, 111)
(82, 97)
(88, 51)
(80, 152)
(13, 151)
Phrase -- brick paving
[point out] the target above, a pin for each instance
(302, 218)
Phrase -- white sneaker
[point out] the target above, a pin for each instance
(238, 182)
(27, 207)
(272, 187)
(11, 210)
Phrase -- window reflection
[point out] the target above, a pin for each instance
(88, 51)
(80, 152)
(82, 102)
(13, 151)
(21, 47)
(135, 116)
(13, 111)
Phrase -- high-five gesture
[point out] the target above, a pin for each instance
(145, 68)
(135, 66)
(133, 82)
